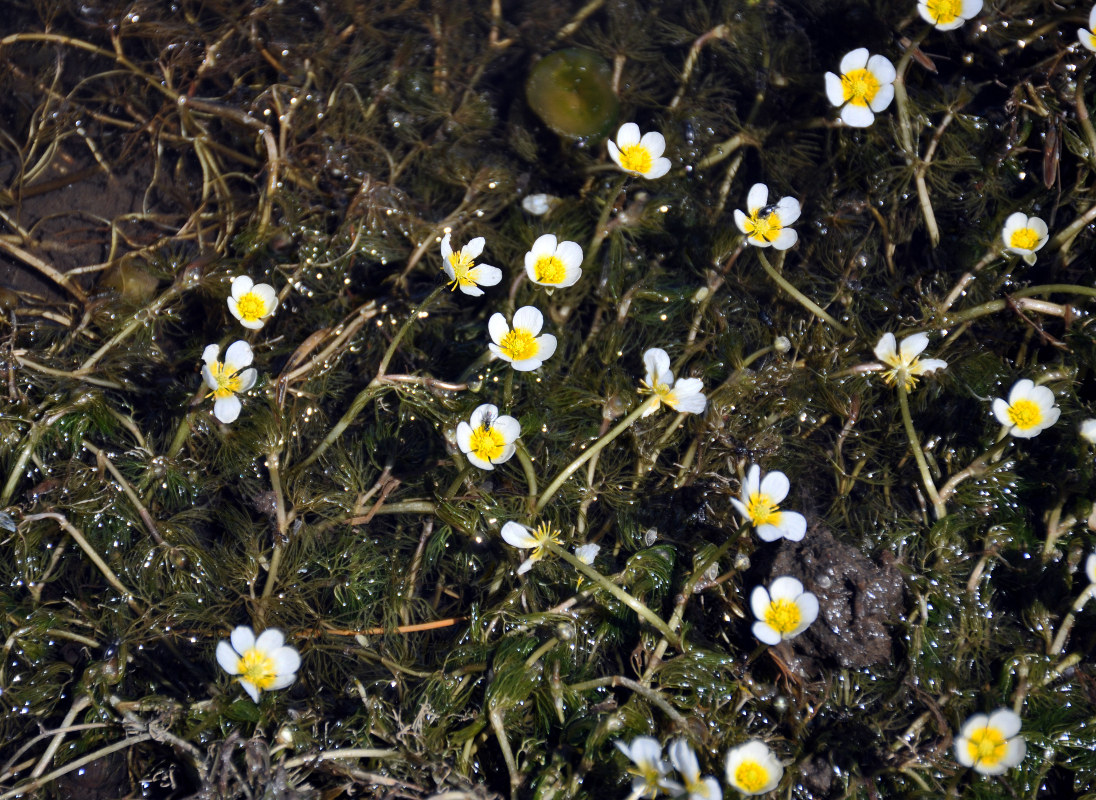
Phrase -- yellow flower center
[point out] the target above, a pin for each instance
(762, 510)
(1025, 414)
(1091, 39)
(543, 534)
(251, 307)
(549, 269)
(636, 158)
(783, 616)
(487, 443)
(859, 87)
(257, 668)
(228, 383)
(944, 11)
(519, 344)
(751, 776)
(765, 228)
(462, 269)
(906, 373)
(1023, 239)
(987, 746)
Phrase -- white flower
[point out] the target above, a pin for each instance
(1086, 35)
(865, 87)
(228, 378)
(539, 204)
(768, 224)
(990, 744)
(552, 264)
(947, 15)
(683, 395)
(463, 272)
(252, 303)
(1024, 235)
(1090, 567)
(1029, 410)
(905, 366)
(517, 535)
(1088, 430)
(587, 553)
(752, 768)
(521, 346)
(264, 664)
(784, 611)
(695, 787)
(649, 770)
(639, 156)
(487, 438)
(760, 504)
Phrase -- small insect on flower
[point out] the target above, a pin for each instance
(1029, 410)
(682, 395)
(554, 264)
(1087, 36)
(947, 15)
(263, 665)
(991, 744)
(639, 155)
(252, 303)
(517, 535)
(760, 504)
(1088, 430)
(487, 438)
(767, 225)
(752, 768)
(649, 768)
(228, 378)
(521, 346)
(1024, 235)
(693, 786)
(905, 366)
(783, 611)
(463, 272)
(863, 89)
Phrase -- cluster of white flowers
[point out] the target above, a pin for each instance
(749, 769)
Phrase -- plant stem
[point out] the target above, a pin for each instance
(593, 450)
(804, 301)
(283, 522)
(530, 473)
(629, 600)
(391, 351)
(1067, 623)
(919, 455)
(602, 230)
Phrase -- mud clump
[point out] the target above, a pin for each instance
(857, 600)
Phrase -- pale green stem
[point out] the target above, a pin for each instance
(331, 755)
(804, 301)
(279, 510)
(919, 455)
(993, 306)
(391, 351)
(593, 450)
(638, 688)
(976, 467)
(602, 230)
(530, 473)
(629, 600)
(1067, 623)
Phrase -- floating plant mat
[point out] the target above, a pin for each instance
(410, 399)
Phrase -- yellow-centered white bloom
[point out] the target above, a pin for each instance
(1024, 235)
(649, 769)
(228, 378)
(766, 225)
(783, 611)
(990, 744)
(517, 535)
(752, 768)
(1088, 430)
(521, 345)
(554, 264)
(863, 89)
(639, 155)
(905, 366)
(760, 504)
(682, 395)
(693, 785)
(263, 665)
(1028, 411)
(947, 15)
(463, 272)
(487, 438)
(252, 303)
(1087, 36)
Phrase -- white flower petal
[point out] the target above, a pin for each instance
(227, 409)
(759, 601)
(757, 198)
(509, 427)
(483, 412)
(242, 638)
(269, 640)
(659, 168)
(655, 144)
(857, 116)
(497, 327)
(808, 607)
(238, 355)
(627, 135)
(854, 59)
(528, 318)
(913, 346)
(882, 69)
(886, 349)
(740, 219)
(1006, 721)
(785, 588)
(517, 535)
(473, 249)
(766, 633)
(286, 660)
(251, 689)
(882, 98)
(228, 658)
(546, 347)
(785, 239)
(834, 92)
(241, 285)
(775, 485)
(793, 525)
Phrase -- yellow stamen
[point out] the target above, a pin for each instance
(765, 228)
(859, 87)
(543, 534)
(783, 616)
(549, 269)
(944, 11)
(256, 667)
(987, 746)
(636, 158)
(762, 510)
(1025, 414)
(1024, 239)
(251, 307)
(519, 345)
(462, 269)
(751, 776)
(228, 383)
(487, 443)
